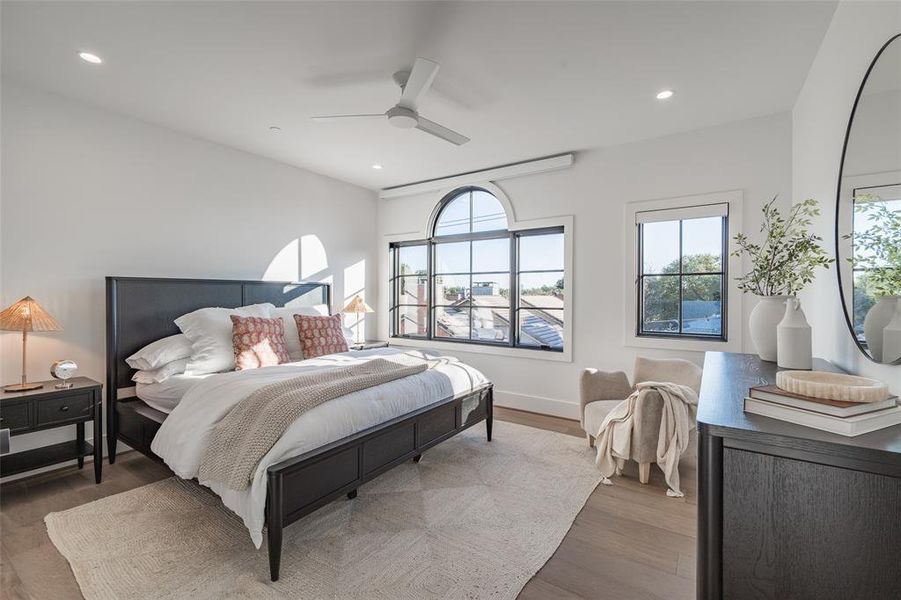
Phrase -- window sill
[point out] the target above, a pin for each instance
(692, 344)
(456, 347)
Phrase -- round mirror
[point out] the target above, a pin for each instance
(868, 211)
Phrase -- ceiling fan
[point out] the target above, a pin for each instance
(413, 84)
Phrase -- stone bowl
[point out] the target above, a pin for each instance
(832, 386)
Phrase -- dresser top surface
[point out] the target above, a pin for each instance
(78, 383)
(727, 378)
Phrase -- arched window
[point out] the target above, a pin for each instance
(474, 281)
(470, 210)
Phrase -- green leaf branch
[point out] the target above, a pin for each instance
(785, 262)
(877, 250)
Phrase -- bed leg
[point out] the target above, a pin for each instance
(351, 494)
(111, 431)
(274, 524)
(275, 552)
(417, 458)
(489, 419)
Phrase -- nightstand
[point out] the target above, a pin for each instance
(368, 345)
(48, 408)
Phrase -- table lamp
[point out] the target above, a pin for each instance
(26, 315)
(357, 307)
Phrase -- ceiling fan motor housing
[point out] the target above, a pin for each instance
(402, 117)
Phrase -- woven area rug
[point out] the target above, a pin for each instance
(471, 520)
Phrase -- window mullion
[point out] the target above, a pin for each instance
(639, 282)
(395, 282)
(724, 290)
(470, 268)
(391, 278)
(513, 321)
(430, 291)
(681, 324)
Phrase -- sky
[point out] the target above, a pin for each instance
(661, 241)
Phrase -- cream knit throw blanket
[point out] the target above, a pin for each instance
(614, 438)
(251, 428)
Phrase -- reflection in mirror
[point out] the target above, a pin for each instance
(868, 215)
(876, 264)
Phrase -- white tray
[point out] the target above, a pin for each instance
(832, 386)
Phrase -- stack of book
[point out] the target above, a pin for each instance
(835, 416)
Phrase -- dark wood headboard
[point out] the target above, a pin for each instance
(140, 310)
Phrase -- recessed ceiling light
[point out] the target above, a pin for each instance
(275, 129)
(90, 57)
(665, 94)
(377, 167)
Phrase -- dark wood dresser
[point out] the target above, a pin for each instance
(786, 511)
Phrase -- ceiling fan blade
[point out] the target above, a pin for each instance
(332, 117)
(418, 83)
(441, 131)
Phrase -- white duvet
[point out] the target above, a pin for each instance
(183, 438)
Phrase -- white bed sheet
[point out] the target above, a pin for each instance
(166, 395)
(183, 437)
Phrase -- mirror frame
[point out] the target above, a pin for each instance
(838, 199)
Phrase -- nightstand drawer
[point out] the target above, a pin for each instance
(15, 417)
(74, 407)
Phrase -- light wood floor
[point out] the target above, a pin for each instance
(629, 541)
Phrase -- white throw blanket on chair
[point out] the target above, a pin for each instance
(614, 438)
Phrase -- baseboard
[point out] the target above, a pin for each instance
(537, 404)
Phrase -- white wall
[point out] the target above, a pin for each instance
(819, 120)
(753, 156)
(87, 193)
(875, 144)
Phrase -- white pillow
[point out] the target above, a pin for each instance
(286, 314)
(161, 374)
(210, 332)
(161, 352)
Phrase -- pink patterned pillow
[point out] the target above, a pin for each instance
(258, 342)
(320, 335)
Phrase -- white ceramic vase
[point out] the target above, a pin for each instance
(793, 347)
(891, 336)
(764, 319)
(879, 315)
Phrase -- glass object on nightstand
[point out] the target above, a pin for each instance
(64, 370)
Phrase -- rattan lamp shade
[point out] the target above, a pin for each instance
(357, 306)
(27, 315)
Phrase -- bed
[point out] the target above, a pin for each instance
(142, 310)
(166, 395)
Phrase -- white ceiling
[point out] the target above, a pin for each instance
(523, 80)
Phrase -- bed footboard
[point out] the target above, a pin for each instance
(300, 485)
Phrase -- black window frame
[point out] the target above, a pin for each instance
(723, 336)
(514, 307)
(395, 305)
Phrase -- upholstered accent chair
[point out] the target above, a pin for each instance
(601, 391)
